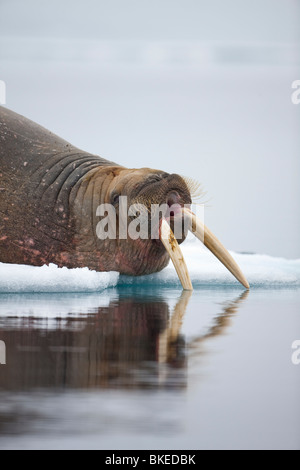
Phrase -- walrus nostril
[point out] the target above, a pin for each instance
(173, 198)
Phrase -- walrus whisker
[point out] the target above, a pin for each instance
(170, 243)
(195, 188)
(200, 231)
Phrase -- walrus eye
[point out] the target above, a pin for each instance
(115, 199)
(156, 178)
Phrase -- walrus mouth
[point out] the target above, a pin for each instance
(199, 230)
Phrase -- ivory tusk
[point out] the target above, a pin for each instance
(171, 245)
(214, 245)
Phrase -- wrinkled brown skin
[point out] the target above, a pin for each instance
(49, 193)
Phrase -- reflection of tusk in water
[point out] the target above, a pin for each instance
(169, 336)
(222, 322)
(197, 228)
(171, 245)
(178, 314)
(167, 339)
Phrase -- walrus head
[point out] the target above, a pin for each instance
(143, 189)
(153, 194)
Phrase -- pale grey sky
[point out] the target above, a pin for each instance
(201, 88)
(204, 20)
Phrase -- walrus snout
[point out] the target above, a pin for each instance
(173, 198)
(163, 195)
(163, 188)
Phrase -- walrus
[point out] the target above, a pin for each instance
(49, 195)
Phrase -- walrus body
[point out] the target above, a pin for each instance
(49, 194)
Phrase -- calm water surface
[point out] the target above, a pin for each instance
(133, 368)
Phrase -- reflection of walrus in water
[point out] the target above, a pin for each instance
(134, 342)
(49, 194)
(120, 345)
